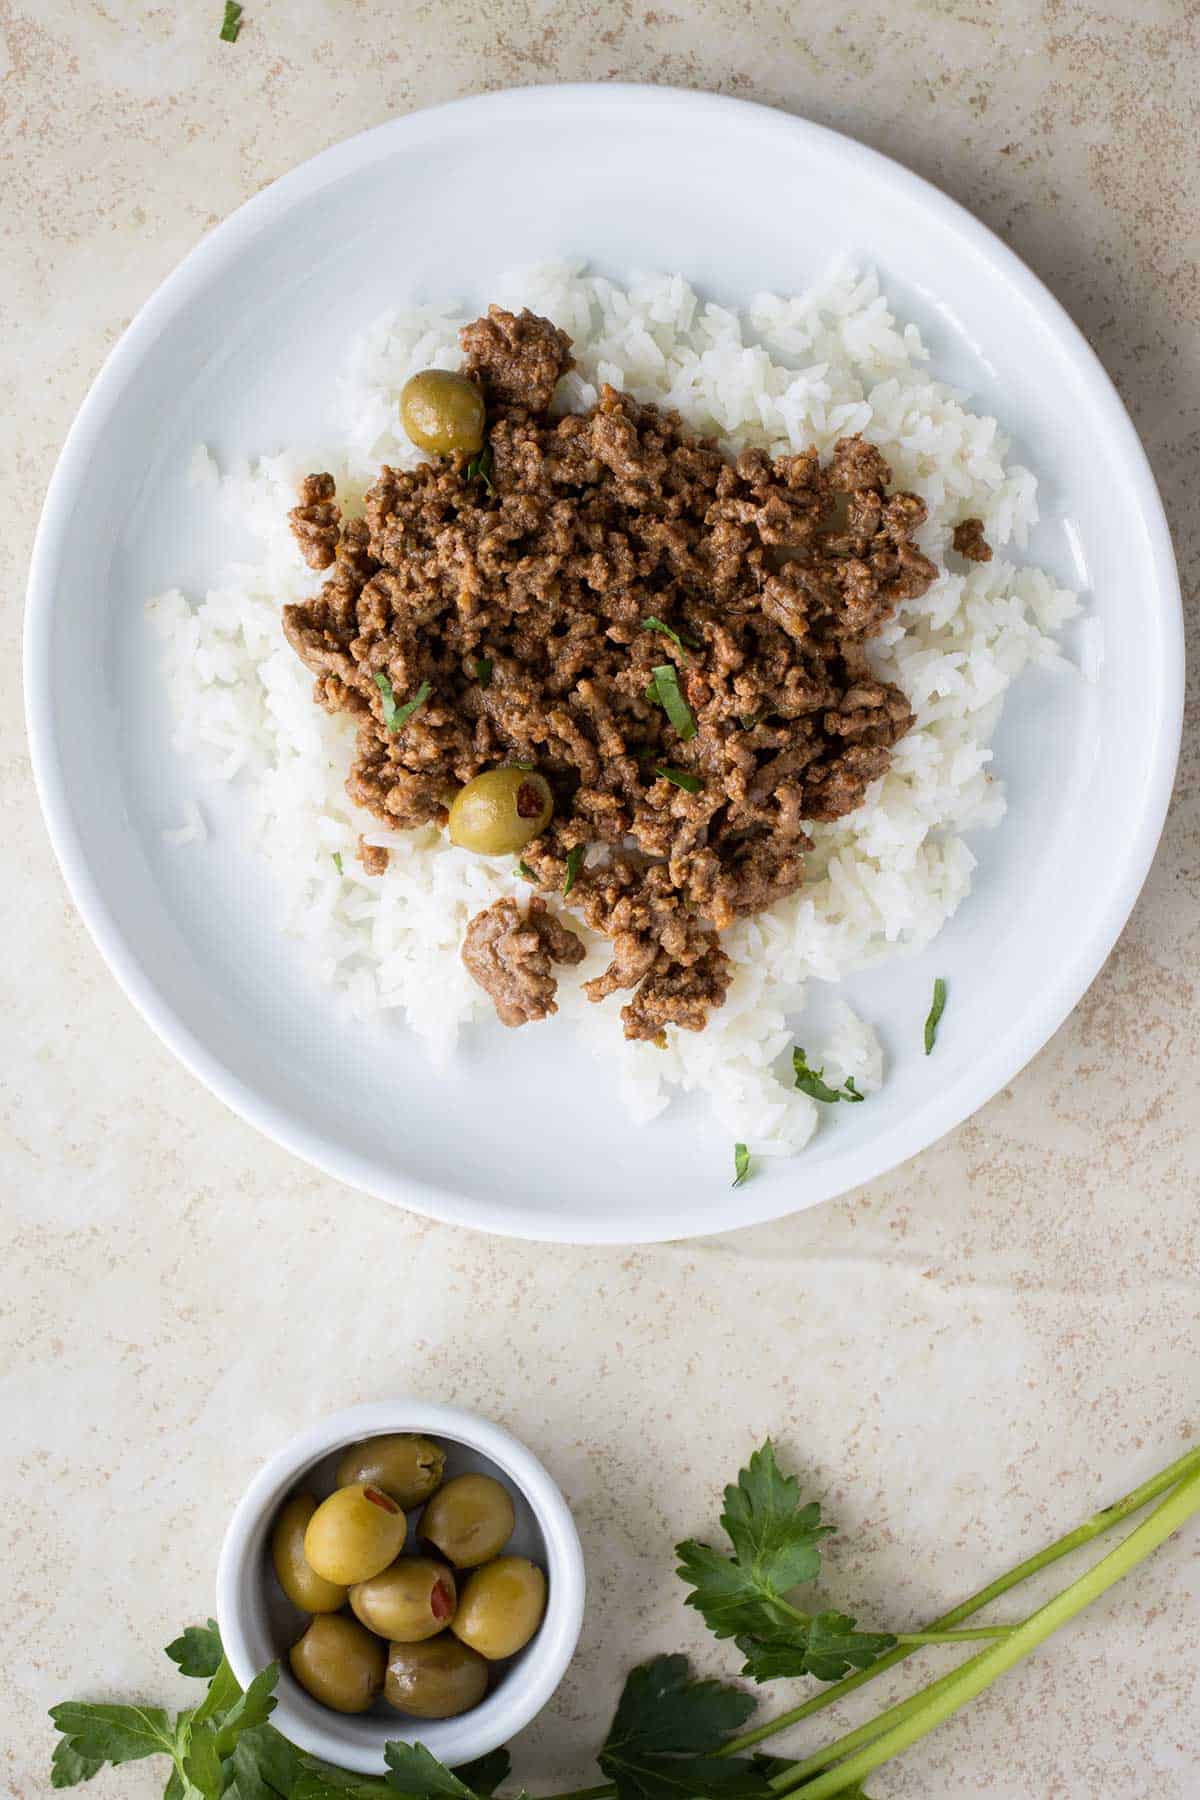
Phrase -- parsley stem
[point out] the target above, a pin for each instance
(913, 1719)
(1052, 1553)
(974, 1635)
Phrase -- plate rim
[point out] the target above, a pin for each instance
(867, 1162)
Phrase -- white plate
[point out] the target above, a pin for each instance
(239, 348)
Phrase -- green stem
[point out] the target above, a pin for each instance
(913, 1719)
(1083, 1534)
(974, 1635)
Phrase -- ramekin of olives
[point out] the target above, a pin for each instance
(415, 1572)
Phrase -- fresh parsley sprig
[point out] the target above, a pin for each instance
(812, 1082)
(774, 1536)
(201, 1741)
(575, 856)
(664, 688)
(682, 644)
(396, 717)
(480, 469)
(937, 1008)
(680, 778)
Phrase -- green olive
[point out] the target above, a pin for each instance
(469, 1520)
(339, 1663)
(302, 1585)
(443, 412)
(411, 1601)
(406, 1467)
(501, 1607)
(501, 811)
(436, 1679)
(354, 1534)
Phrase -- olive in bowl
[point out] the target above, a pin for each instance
(339, 1663)
(412, 1600)
(354, 1534)
(501, 1607)
(406, 1466)
(435, 1680)
(469, 1520)
(298, 1579)
(260, 1623)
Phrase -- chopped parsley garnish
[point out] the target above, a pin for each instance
(812, 1082)
(691, 784)
(337, 862)
(935, 1013)
(684, 644)
(666, 692)
(231, 24)
(395, 717)
(741, 1164)
(480, 469)
(524, 869)
(574, 864)
(483, 671)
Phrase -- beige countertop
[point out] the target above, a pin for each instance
(964, 1358)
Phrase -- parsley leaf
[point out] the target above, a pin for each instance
(484, 1775)
(660, 1744)
(318, 1781)
(812, 1082)
(394, 717)
(223, 1690)
(774, 1535)
(265, 1766)
(417, 1773)
(202, 1762)
(524, 869)
(231, 24)
(829, 1649)
(574, 864)
(254, 1707)
(684, 644)
(480, 469)
(116, 1734)
(197, 1651)
(669, 697)
(337, 863)
(691, 784)
(935, 1014)
(483, 671)
(741, 1164)
(68, 1768)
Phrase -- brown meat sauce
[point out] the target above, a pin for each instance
(775, 574)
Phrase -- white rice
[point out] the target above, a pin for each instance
(787, 373)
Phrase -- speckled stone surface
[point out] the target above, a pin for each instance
(963, 1359)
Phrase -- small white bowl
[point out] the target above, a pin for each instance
(258, 1625)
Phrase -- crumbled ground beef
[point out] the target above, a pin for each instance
(317, 521)
(373, 857)
(510, 957)
(970, 542)
(775, 574)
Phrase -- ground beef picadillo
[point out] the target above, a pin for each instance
(523, 602)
